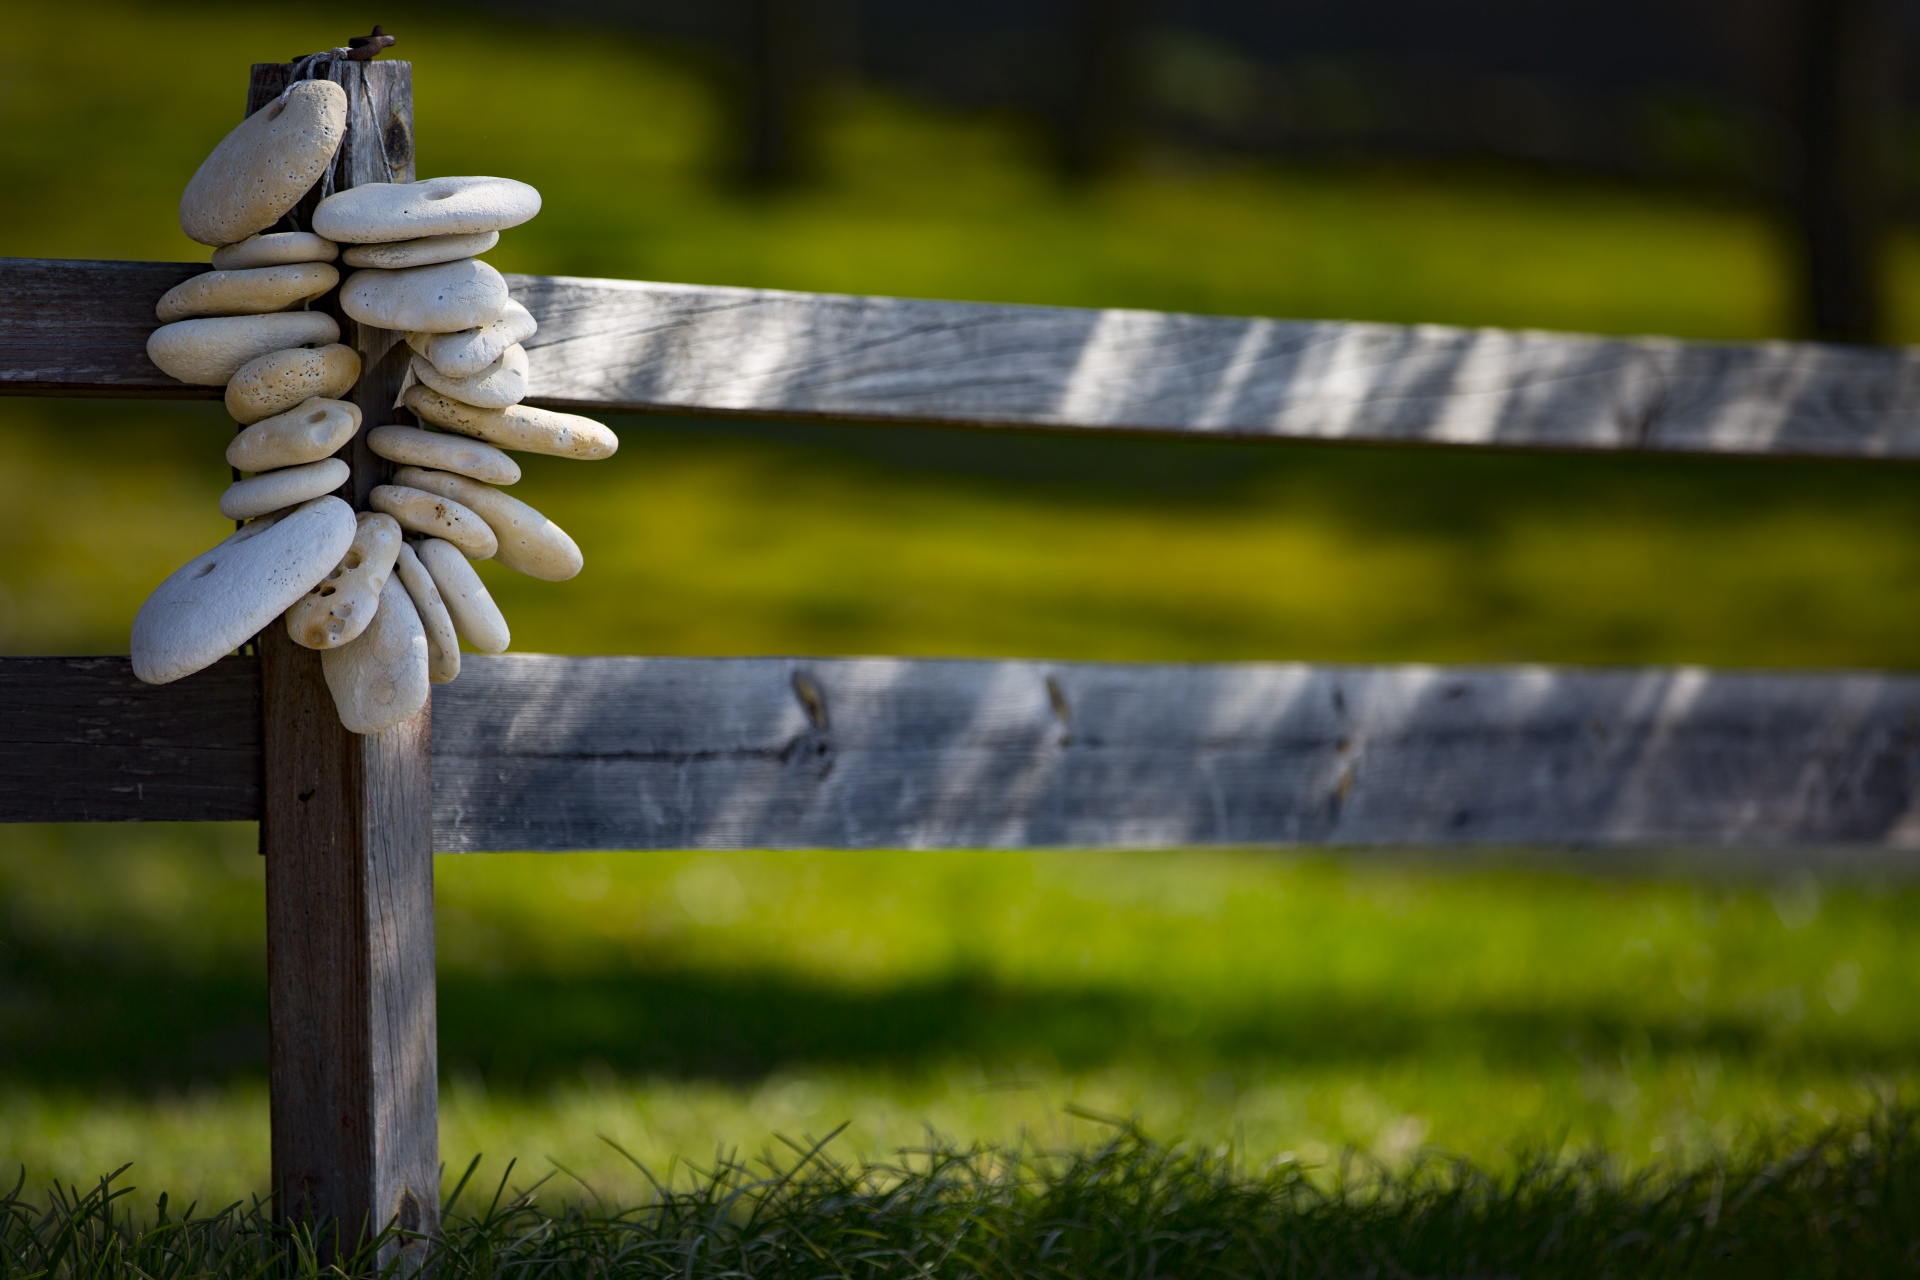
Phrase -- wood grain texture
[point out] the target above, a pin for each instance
(80, 328)
(579, 753)
(634, 753)
(81, 740)
(619, 345)
(612, 345)
(347, 833)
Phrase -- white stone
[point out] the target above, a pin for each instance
(423, 252)
(380, 212)
(246, 293)
(433, 516)
(463, 354)
(443, 452)
(342, 604)
(474, 613)
(217, 601)
(520, 426)
(443, 644)
(529, 542)
(279, 380)
(261, 169)
(275, 249)
(441, 299)
(381, 678)
(312, 430)
(207, 353)
(502, 383)
(276, 490)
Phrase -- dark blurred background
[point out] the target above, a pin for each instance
(1799, 102)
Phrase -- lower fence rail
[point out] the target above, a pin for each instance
(551, 753)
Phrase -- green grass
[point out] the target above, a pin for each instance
(108, 107)
(729, 538)
(683, 1005)
(1841, 1205)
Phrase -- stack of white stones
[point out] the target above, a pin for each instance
(386, 612)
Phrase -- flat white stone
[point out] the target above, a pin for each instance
(279, 380)
(275, 249)
(253, 291)
(423, 252)
(207, 353)
(218, 600)
(433, 516)
(440, 299)
(443, 452)
(342, 603)
(463, 354)
(381, 679)
(261, 169)
(474, 613)
(502, 383)
(379, 212)
(529, 542)
(276, 490)
(520, 426)
(308, 432)
(443, 643)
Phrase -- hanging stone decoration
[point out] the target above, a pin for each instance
(384, 595)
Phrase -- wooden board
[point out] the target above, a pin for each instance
(611, 345)
(80, 328)
(347, 833)
(604, 753)
(81, 740)
(608, 753)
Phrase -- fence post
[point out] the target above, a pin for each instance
(347, 831)
(1845, 90)
(1095, 114)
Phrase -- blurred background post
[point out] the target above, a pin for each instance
(1842, 148)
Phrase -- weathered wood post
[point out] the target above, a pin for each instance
(347, 831)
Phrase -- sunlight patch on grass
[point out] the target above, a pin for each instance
(684, 1004)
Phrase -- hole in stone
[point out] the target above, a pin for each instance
(326, 589)
(206, 569)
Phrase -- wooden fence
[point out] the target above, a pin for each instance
(532, 752)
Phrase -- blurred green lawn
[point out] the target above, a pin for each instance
(673, 1003)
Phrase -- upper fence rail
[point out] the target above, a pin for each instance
(613, 345)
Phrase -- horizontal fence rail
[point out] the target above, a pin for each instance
(81, 740)
(611, 345)
(551, 753)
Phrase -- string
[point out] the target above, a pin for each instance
(314, 66)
